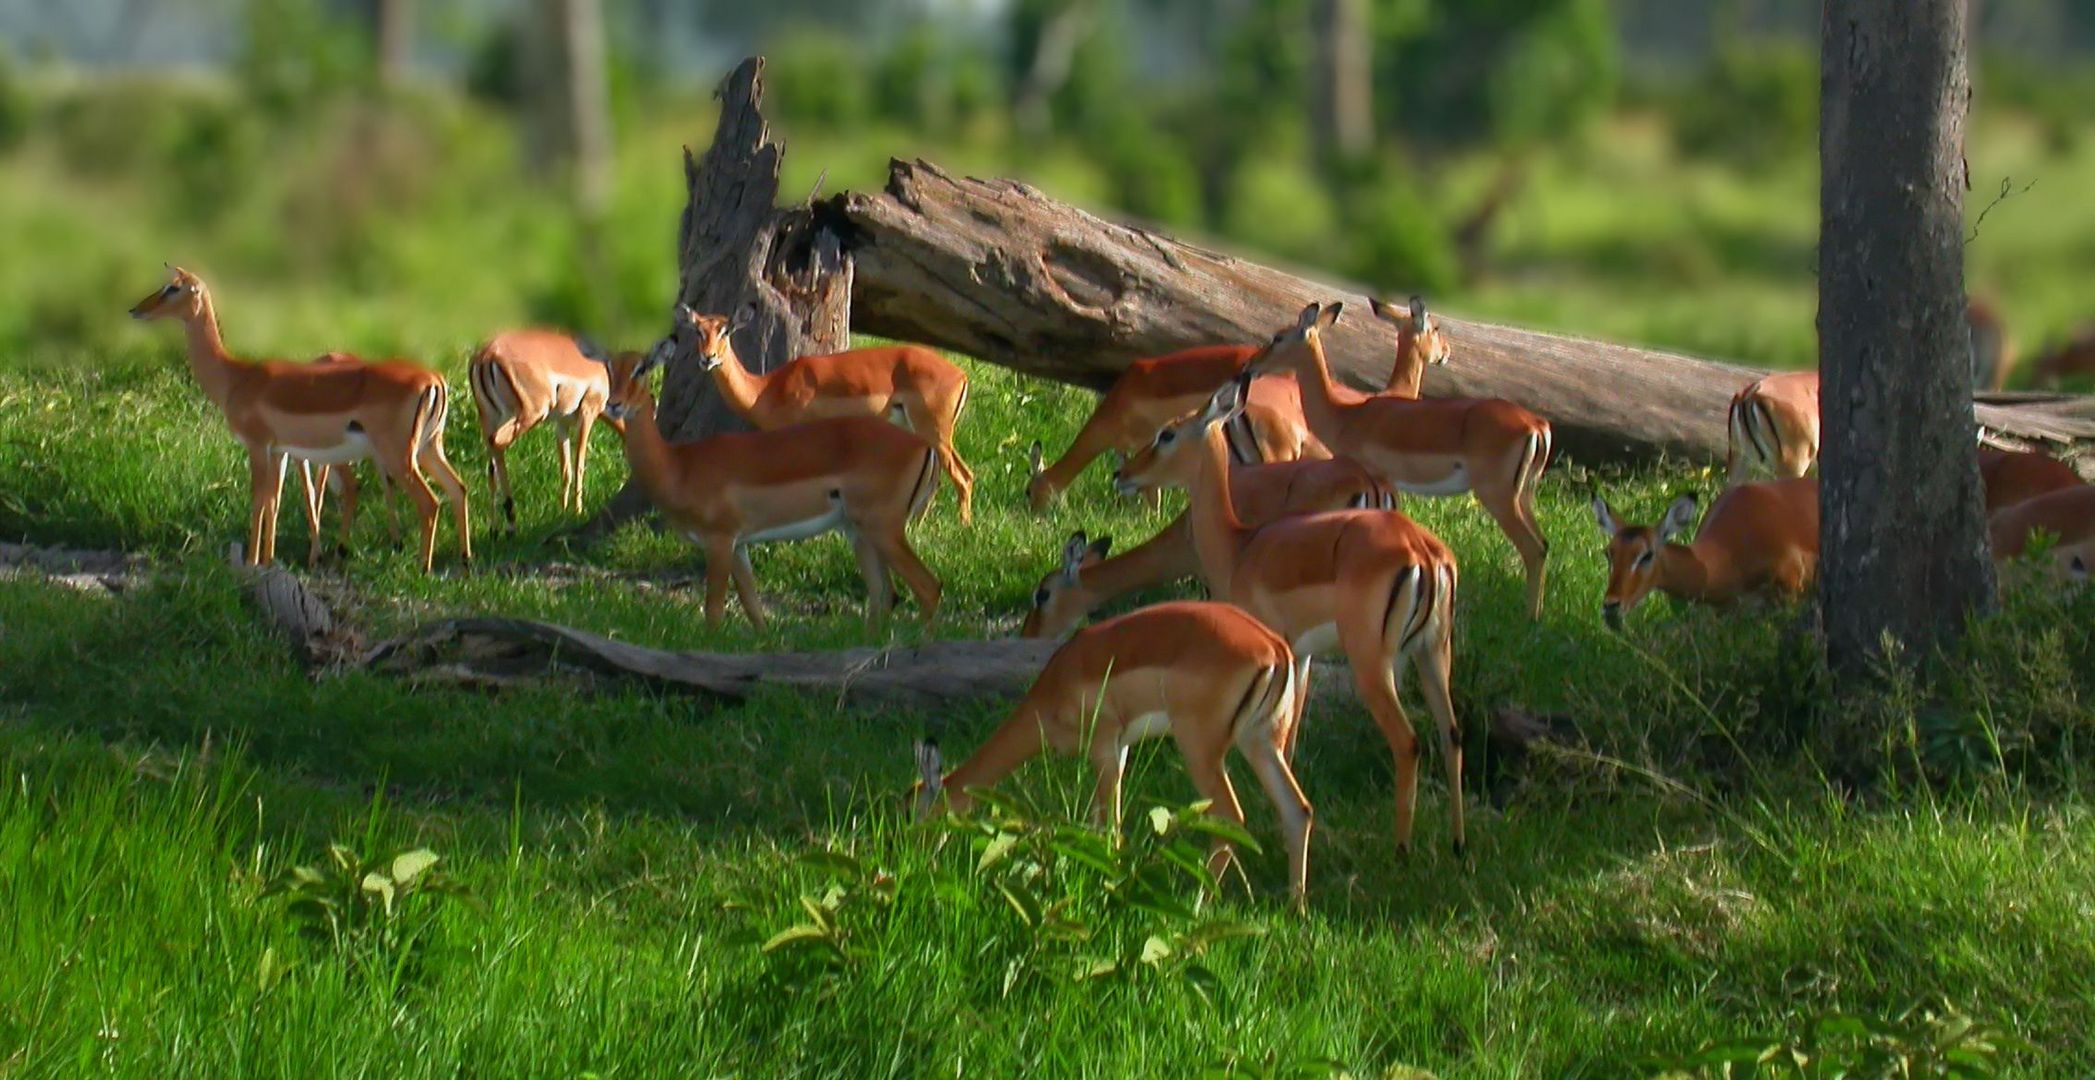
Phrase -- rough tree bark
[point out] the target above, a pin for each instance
(737, 246)
(995, 269)
(393, 38)
(1902, 535)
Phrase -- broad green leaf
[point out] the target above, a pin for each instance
(407, 866)
(833, 861)
(1000, 845)
(375, 882)
(1155, 950)
(1160, 819)
(802, 934)
(1022, 902)
(817, 912)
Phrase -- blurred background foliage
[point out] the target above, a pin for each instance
(1638, 169)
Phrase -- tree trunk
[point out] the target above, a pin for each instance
(1903, 539)
(995, 269)
(1062, 32)
(737, 246)
(393, 38)
(1341, 110)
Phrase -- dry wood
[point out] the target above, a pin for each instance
(997, 270)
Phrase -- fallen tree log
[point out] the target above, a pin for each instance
(997, 270)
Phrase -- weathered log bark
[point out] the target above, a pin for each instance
(1902, 541)
(736, 246)
(995, 269)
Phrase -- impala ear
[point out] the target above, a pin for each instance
(1418, 313)
(1604, 517)
(1380, 310)
(1227, 401)
(1308, 317)
(686, 314)
(2077, 568)
(591, 350)
(1073, 556)
(930, 774)
(1035, 458)
(1098, 550)
(1329, 318)
(743, 317)
(1678, 517)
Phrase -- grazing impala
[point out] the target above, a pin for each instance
(1262, 493)
(334, 412)
(2067, 514)
(859, 475)
(1372, 582)
(1774, 423)
(1155, 391)
(1488, 447)
(2015, 476)
(1207, 674)
(1420, 345)
(1762, 536)
(907, 382)
(523, 378)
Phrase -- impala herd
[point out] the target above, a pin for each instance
(1292, 520)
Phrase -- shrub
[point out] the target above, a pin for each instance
(818, 77)
(1754, 106)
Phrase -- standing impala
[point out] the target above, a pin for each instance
(859, 475)
(330, 413)
(1087, 578)
(1420, 345)
(1373, 582)
(1207, 674)
(1491, 448)
(1774, 423)
(1155, 391)
(906, 382)
(523, 378)
(1762, 536)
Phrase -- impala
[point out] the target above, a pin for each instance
(1155, 391)
(334, 413)
(2016, 476)
(2067, 514)
(1373, 582)
(1774, 423)
(1420, 345)
(1491, 448)
(1262, 493)
(1207, 674)
(909, 383)
(523, 378)
(859, 475)
(1762, 536)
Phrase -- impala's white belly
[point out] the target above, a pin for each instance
(1454, 483)
(1316, 639)
(355, 446)
(798, 530)
(567, 395)
(1154, 725)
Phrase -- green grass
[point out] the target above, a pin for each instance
(1691, 874)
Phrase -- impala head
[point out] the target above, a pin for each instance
(1057, 605)
(1040, 491)
(1633, 555)
(1418, 335)
(1289, 349)
(1171, 459)
(181, 298)
(629, 371)
(931, 779)
(710, 334)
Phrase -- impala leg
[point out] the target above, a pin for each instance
(454, 490)
(584, 422)
(1516, 518)
(1206, 765)
(1434, 659)
(259, 480)
(314, 478)
(564, 442)
(342, 480)
(1109, 761)
(279, 465)
(746, 588)
(1301, 707)
(1375, 680)
(880, 592)
(720, 555)
(405, 473)
(938, 427)
(893, 548)
(1269, 761)
(498, 481)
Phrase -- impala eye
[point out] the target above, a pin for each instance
(1040, 598)
(1165, 436)
(1644, 560)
